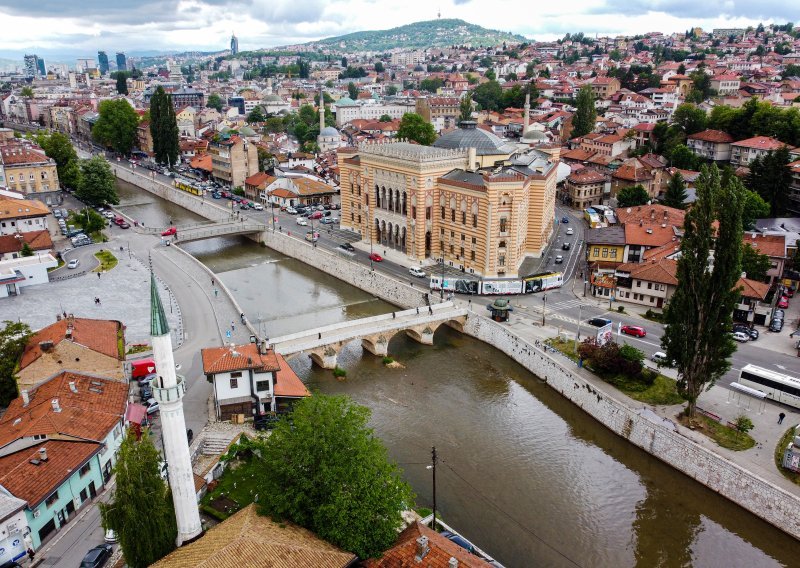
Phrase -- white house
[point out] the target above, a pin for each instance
(17, 273)
(22, 215)
(251, 380)
(13, 528)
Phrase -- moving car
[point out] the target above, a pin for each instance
(301, 221)
(599, 322)
(169, 232)
(97, 556)
(415, 271)
(570, 231)
(633, 330)
(124, 226)
(375, 257)
(565, 246)
(326, 221)
(348, 247)
(559, 259)
(74, 263)
(660, 358)
(316, 215)
(257, 206)
(565, 219)
(741, 336)
(108, 214)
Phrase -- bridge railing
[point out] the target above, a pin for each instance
(228, 229)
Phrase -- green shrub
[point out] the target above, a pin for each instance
(387, 360)
(743, 424)
(339, 372)
(620, 309)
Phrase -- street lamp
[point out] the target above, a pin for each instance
(441, 288)
(544, 306)
(432, 467)
(369, 230)
(578, 334)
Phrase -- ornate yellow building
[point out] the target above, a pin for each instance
(467, 199)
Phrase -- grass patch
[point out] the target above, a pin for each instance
(723, 435)
(138, 348)
(792, 476)
(107, 261)
(660, 391)
(61, 262)
(236, 488)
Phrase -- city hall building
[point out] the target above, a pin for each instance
(469, 198)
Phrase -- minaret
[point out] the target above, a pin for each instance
(321, 109)
(526, 122)
(168, 390)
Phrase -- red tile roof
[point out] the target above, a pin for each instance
(661, 271)
(11, 208)
(97, 335)
(752, 288)
(760, 143)
(288, 383)
(441, 550)
(37, 240)
(34, 483)
(238, 358)
(586, 175)
(771, 245)
(716, 136)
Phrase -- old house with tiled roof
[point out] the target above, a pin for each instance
(712, 145)
(22, 215)
(648, 284)
(251, 380)
(75, 344)
(27, 170)
(58, 443)
(634, 172)
(745, 151)
(249, 539)
(11, 246)
(774, 246)
(586, 187)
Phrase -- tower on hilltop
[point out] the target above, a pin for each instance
(234, 44)
(169, 390)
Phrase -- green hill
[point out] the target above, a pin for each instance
(420, 35)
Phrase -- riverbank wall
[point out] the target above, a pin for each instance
(641, 427)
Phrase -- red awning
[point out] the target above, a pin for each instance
(136, 413)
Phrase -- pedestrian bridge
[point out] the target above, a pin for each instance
(201, 231)
(324, 343)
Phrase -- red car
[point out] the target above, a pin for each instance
(375, 257)
(783, 303)
(169, 232)
(316, 215)
(634, 330)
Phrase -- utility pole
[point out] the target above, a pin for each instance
(544, 307)
(441, 288)
(578, 334)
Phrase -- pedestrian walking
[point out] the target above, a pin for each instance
(31, 554)
(233, 326)
(212, 281)
(98, 276)
(781, 416)
(319, 335)
(242, 316)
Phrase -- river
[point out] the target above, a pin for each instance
(523, 473)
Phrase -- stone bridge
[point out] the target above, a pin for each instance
(324, 343)
(200, 231)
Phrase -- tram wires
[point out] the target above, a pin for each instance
(509, 517)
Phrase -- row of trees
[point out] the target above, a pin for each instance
(491, 96)
(164, 128)
(757, 118)
(321, 468)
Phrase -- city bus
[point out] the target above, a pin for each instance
(777, 386)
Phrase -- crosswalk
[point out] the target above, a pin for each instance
(565, 305)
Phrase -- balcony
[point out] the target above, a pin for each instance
(170, 394)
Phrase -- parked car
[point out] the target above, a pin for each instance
(169, 232)
(416, 271)
(633, 330)
(565, 219)
(291, 210)
(741, 336)
(257, 206)
(57, 213)
(147, 379)
(752, 332)
(559, 259)
(348, 247)
(325, 221)
(375, 257)
(565, 246)
(599, 322)
(266, 422)
(660, 358)
(108, 214)
(335, 206)
(783, 303)
(74, 263)
(97, 556)
(216, 195)
(320, 208)
(152, 406)
(118, 220)
(301, 221)
(111, 537)
(146, 393)
(776, 325)
(779, 313)
(124, 226)
(790, 292)
(570, 231)
(316, 215)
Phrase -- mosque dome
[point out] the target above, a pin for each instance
(345, 101)
(534, 135)
(468, 135)
(329, 131)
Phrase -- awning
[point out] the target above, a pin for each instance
(135, 413)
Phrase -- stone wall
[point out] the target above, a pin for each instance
(647, 431)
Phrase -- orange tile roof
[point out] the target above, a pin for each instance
(307, 186)
(288, 383)
(248, 539)
(34, 483)
(752, 288)
(12, 155)
(633, 170)
(260, 178)
(717, 136)
(97, 335)
(238, 358)
(661, 271)
(11, 208)
(655, 213)
(760, 143)
(441, 550)
(202, 163)
(37, 240)
(89, 413)
(770, 245)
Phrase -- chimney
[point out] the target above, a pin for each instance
(26, 399)
(472, 157)
(652, 213)
(56, 407)
(72, 386)
(43, 454)
(744, 274)
(422, 548)
(452, 563)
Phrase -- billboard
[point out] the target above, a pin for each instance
(605, 333)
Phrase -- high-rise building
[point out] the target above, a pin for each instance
(83, 64)
(234, 44)
(102, 59)
(40, 67)
(168, 390)
(31, 65)
(122, 62)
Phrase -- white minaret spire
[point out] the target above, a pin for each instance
(168, 390)
(321, 109)
(527, 120)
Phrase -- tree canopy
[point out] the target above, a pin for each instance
(256, 115)
(690, 117)
(141, 511)
(164, 128)
(214, 101)
(699, 313)
(413, 127)
(122, 83)
(325, 470)
(57, 146)
(755, 264)
(116, 125)
(465, 108)
(488, 95)
(632, 196)
(13, 338)
(584, 118)
(87, 219)
(754, 208)
(771, 177)
(97, 185)
(675, 194)
(757, 118)
(431, 84)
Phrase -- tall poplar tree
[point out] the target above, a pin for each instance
(676, 192)
(164, 128)
(700, 311)
(585, 116)
(141, 510)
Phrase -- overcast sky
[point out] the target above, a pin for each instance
(83, 27)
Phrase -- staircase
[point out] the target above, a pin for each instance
(215, 444)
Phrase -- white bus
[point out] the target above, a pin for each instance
(777, 386)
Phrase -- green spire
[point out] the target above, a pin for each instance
(158, 319)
